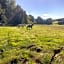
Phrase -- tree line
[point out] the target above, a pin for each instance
(12, 15)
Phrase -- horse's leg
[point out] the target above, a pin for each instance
(31, 27)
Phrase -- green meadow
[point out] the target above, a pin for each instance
(28, 46)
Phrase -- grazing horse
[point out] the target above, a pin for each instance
(30, 26)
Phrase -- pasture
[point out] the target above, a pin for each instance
(35, 46)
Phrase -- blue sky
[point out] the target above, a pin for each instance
(43, 8)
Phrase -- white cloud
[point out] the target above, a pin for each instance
(46, 15)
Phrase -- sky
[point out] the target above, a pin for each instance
(43, 8)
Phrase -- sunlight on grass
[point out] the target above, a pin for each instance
(48, 38)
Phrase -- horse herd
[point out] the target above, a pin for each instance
(29, 26)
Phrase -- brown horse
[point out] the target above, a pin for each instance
(29, 26)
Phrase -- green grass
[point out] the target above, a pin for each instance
(45, 37)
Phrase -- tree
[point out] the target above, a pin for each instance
(19, 16)
(29, 21)
(12, 14)
(39, 20)
(3, 18)
(48, 21)
(3, 3)
(10, 8)
(61, 21)
(32, 18)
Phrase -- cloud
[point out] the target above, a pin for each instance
(45, 16)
